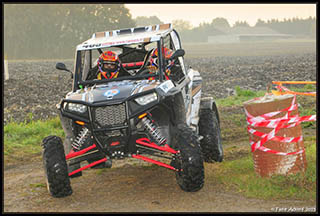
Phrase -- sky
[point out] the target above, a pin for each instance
(197, 13)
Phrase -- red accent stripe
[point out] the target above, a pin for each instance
(154, 162)
(115, 143)
(87, 166)
(132, 64)
(147, 142)
(74, 154)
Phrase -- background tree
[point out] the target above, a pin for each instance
(53, 30)
(241, 24)
(220, 23)
(181, 25)
(260, 23)
(200, 33)
(294, 26)
(313, 30)
(144, 21)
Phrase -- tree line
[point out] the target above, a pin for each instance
(48, 31)
(296, 27)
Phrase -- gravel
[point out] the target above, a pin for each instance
(36, 86)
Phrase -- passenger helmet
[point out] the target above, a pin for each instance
(154, 56)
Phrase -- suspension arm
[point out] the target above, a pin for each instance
(147, 142)
(154, 162)
(81, 152)
(88, 166)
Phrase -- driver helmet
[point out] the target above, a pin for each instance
(109, 64)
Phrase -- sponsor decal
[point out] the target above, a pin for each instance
(123, 42)
(110, 93)
(92, 45)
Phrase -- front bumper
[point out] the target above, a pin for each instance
(110, 122)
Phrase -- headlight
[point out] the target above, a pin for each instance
(77, 107)
(147, 99)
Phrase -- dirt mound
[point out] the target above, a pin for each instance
(36, 86)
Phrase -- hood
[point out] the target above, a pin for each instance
(113, 91)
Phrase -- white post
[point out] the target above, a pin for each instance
(6, 71)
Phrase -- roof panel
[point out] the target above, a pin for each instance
(126, 36)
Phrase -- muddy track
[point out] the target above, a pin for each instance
(129, 189)
(130, 186)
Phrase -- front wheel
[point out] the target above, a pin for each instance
(55, 167)
(190, 178)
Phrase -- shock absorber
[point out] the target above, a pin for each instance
(80, 139)
(154, 131)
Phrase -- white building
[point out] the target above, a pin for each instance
(239, 34)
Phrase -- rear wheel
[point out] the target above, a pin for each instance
(209, 128)
(191, 176)
(55, 167)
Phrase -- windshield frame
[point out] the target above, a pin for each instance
(78, 70)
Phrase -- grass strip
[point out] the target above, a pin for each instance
(239, 176)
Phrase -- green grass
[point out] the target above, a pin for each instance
(307, 104)
(37, 185)
(241, 96)
(26, 137)
(233, 122)
(239, 176)
(302, 88)
(233, 127)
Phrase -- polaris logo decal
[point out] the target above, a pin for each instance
(110, 93)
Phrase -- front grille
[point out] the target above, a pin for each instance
(111, 115)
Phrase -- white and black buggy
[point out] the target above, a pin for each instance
(143, 114)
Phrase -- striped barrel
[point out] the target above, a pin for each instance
(275, 135)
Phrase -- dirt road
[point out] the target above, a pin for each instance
(126, 187)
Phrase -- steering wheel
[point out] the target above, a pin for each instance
(143, 69)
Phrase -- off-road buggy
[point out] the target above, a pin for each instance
(144, 114)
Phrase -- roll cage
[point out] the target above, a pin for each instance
(150, 34)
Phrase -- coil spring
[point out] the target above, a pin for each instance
(80, 139)
(154, 131)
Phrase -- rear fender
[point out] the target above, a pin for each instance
(209, 103)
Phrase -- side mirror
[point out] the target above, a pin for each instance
(62, 66)
(178, 53)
